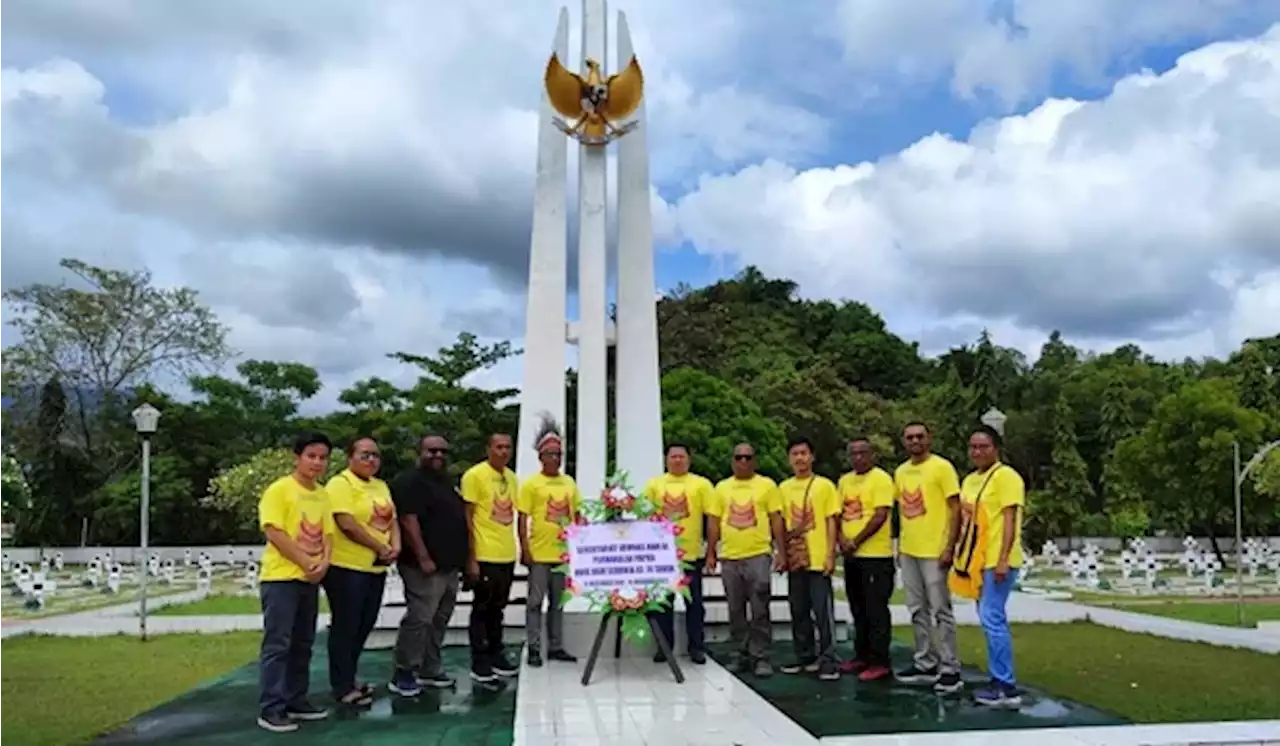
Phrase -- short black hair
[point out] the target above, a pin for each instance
(351, 445)
(918, 423)
(679, 445)
(996, 438)
(310, 438)
(800, 440)
(495, 436)
(859, 438)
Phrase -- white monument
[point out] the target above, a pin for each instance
(598, 110)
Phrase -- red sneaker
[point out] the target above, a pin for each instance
(852, 666)
(874, 673)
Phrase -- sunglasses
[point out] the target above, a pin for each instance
(436, 451)
(743, 456)
(368, 456)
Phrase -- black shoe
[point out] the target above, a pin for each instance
(915, 675)
(658, 657)
(794, 667)
(439, 680)
(564, 656)
(827, 671)
(535, 658)
(482, 672)
(948, 683)
(276, 723)
(698, 657)
(405, 684)
(503, 666)
(304, 710)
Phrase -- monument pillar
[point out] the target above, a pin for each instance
(590, 104)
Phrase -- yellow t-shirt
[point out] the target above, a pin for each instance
(683, 499)
(301, 513)
(823, 503)
(549, 502)
(494, 496)
(369, 503)
(1005, 489)
(923, 490)
(860, 495)
(743, 507)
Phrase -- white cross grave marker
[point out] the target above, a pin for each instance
(1211, 567)
(187, 560)
(5, 566)
(1049, 552)
(1127, 563)
(169, 570)
(113, 578)
(204, 581)
(1151, 566)
(1074, 565)
(93, 573)
(251, 576)
(58, 561)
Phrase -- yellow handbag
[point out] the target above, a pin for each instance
(965, 578)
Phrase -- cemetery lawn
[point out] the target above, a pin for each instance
(64, 685)
(224, 605)
(1221, 612)
(1143, 678)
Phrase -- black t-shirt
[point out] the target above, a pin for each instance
(441, 514)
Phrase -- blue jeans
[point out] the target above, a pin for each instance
(694, 614)
(355, 597)
(995, 624)
(289, 610)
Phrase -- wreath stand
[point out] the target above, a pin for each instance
(663, 645)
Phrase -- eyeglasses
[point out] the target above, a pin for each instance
(368, 456)
(436, 451)
(552, 454)
(743, 456)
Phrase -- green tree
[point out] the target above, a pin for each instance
(711, 417)
(236, 491)
(1069, 488)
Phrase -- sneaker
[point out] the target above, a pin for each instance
(405, 684)
(563, 656)
(482, 672)
(795, 667)
(813, 667)
(355, 698)
(743, 664)
(915, 675)
(503, 666)
(698, 657)
(439, 680)
(534, 658)
(998, 695)
(948, 683)
(763, 670)
(276, 723)
(828, 672)
(658, 657)
(854, 666)
(874, 673)
(304, 710)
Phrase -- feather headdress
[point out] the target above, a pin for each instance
(548, 433)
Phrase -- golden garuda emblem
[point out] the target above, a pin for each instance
(594, 105)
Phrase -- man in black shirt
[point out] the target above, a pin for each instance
(433, 524)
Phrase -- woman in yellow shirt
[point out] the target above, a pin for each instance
(367, 541)
(994, 495)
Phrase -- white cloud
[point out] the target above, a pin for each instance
(1013, 48)
(1149, 214)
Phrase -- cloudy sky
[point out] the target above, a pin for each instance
(341, 180)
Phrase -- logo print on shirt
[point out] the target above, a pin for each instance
(310, 537)
(852, 508)
(675, 507)
(558, 511)
(503, 511)
(742, 516)
(913, 503)
(802, 518)
(383, 516)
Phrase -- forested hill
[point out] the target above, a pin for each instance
(1109, 441)
(1110, 444)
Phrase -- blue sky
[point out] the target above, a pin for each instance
(365, 154)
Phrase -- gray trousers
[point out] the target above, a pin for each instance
(544, 585)
(934, 623)
(429, 601)
(747, 586)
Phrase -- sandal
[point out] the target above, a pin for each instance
(357, 697)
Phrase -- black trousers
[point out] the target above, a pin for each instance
(289, 610)
(868, 584)
(488, 601)
(354, 600)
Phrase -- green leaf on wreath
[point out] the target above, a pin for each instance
(565, 597)
(635, 626)
(562, 569)
(684, 591)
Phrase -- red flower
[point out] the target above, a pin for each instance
(680, 553)
(564, 556)
(562, 536)
(656, 518)
(683, 581)
(677, 529)
(580, 519)
(570, 585)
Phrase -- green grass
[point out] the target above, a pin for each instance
(1224, 614)
(224, 605)
(66, 690)
(1143, 678)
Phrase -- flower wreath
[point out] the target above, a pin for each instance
(619, 503)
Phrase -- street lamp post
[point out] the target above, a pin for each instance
(1240, 476)
(995, 419)
(146, 419)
